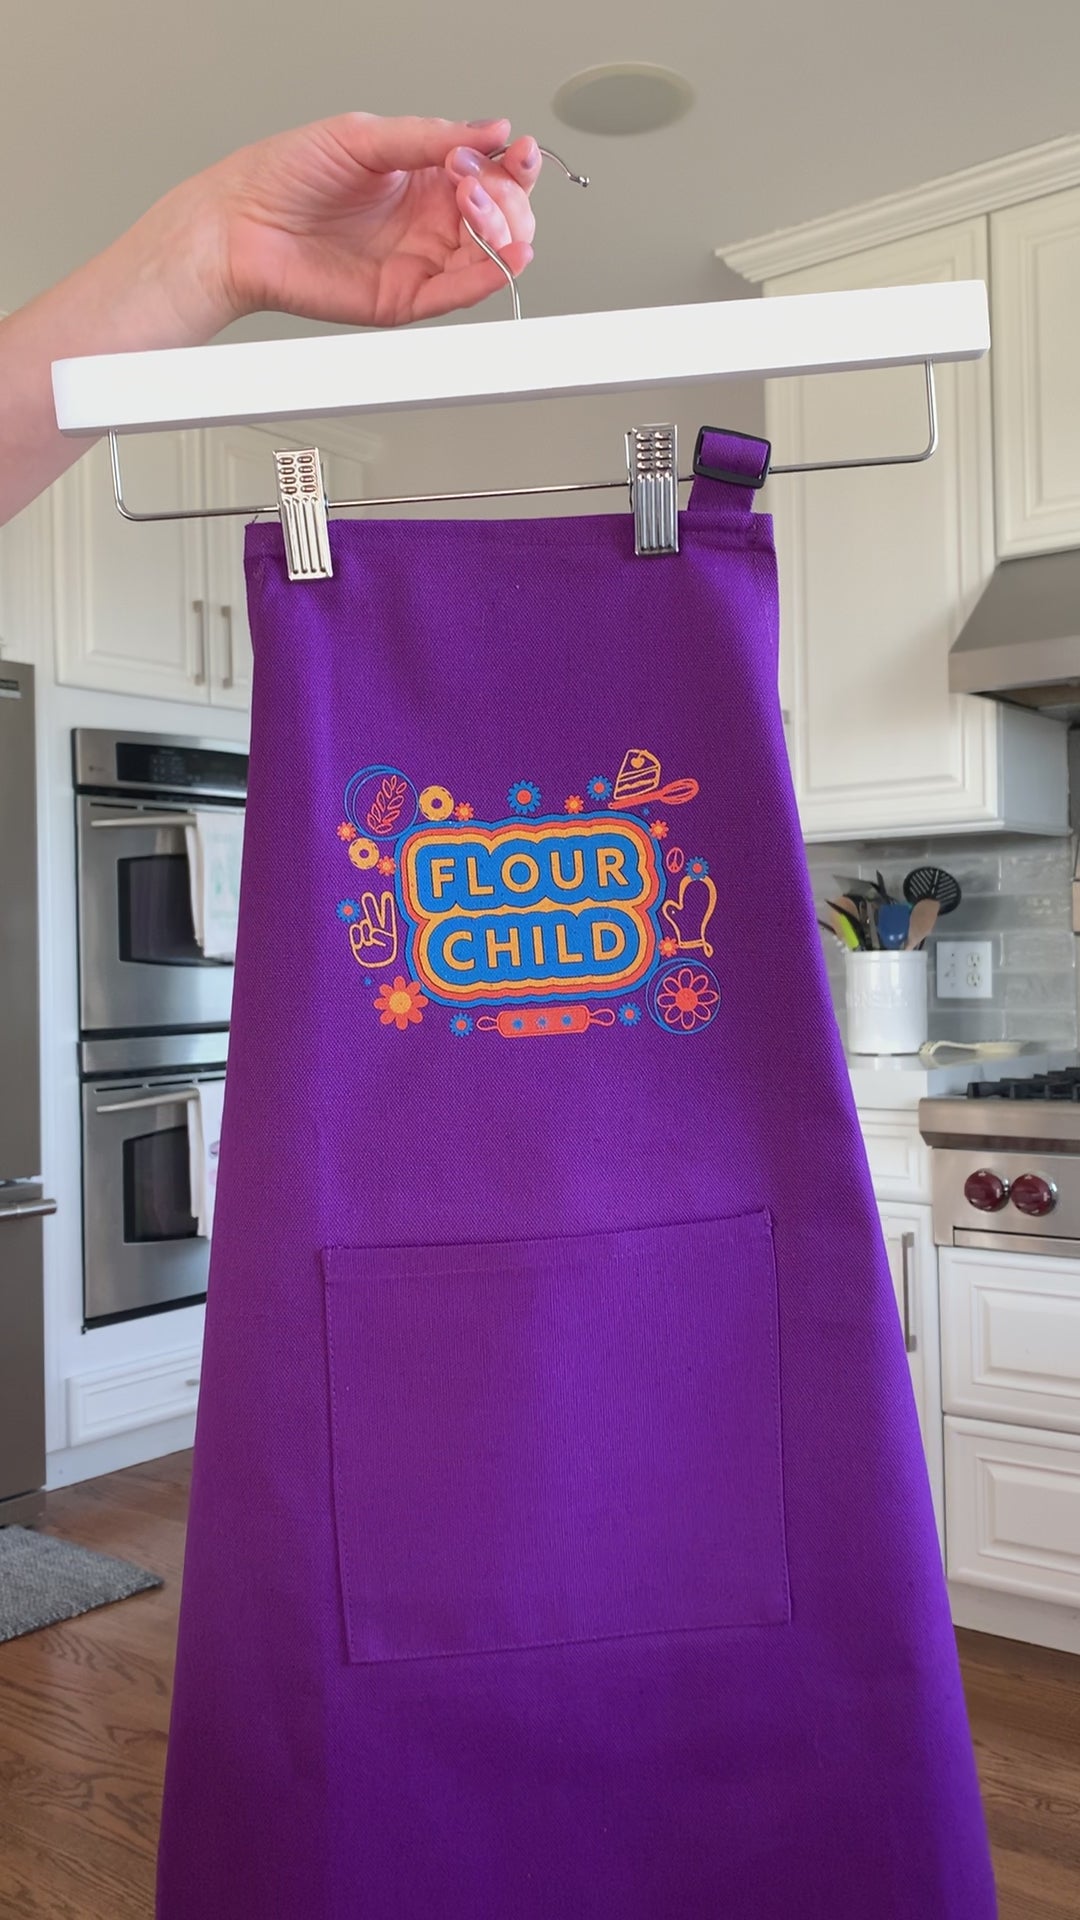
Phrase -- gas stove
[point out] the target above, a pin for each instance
(1006, 1164)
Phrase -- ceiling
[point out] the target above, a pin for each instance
(801, 110)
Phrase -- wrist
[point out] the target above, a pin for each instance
(173, 269)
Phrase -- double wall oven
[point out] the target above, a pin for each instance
(153, 1011)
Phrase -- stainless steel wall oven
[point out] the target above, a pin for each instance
(153, 1010)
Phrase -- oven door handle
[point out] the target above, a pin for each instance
(147, 820)
(27, 1209)
(151, 1100)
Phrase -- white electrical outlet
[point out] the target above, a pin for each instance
(964, 969)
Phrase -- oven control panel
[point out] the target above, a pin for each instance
(985, 1197)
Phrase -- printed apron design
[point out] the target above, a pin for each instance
(539, 914)
(560, 1541)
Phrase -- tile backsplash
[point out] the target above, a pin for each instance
(1016, 894)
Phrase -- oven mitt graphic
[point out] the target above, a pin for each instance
(374, 936)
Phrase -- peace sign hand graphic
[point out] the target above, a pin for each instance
(374, 937)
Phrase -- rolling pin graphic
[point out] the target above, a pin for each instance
(528, 1023)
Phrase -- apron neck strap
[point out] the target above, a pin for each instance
(728, 469)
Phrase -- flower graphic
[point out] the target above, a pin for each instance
(658, 829)
(463, 811)
(524, 796)
(575, 804)
(346, 831)
(348, 910)
(599, 788)
(399, 1004)
(698, 867)
(388, 864)
(687, 999)
(461, 1023)
(669, 948)
(629, 1014)
(363, 853)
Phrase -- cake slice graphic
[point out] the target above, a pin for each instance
(638, 776)
(638, 780)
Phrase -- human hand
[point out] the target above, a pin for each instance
(357, 219)
(374, 937)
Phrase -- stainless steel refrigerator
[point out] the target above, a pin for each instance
(23, 1206)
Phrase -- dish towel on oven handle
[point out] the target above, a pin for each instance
(204, 1135)
(214, 844)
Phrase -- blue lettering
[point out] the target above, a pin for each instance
(525, 950)
(452, 871)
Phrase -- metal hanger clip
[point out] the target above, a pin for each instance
(652, 473)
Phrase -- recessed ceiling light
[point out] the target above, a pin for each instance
(627, 97)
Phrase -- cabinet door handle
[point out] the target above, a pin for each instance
(230, 665)
(907, 1248)
(200, 615)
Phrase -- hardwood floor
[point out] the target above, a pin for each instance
(84, 1716)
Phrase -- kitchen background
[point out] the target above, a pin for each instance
(143, 628)
(1017, 894)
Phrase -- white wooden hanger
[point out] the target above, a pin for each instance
(377, 372)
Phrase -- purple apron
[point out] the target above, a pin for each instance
(560, 1543)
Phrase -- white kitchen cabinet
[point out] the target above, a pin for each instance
(130, 600)
(1010, 1333)
(878, 572)
(898, 1156)
(161, 609)
(1035, 294)
(1013, 1507)
(909, 1243)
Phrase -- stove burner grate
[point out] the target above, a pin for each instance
(1062, 1084)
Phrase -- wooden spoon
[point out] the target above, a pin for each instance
(923, 918)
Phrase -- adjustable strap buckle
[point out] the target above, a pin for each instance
(748, 475)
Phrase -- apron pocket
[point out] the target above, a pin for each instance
(537, 1442)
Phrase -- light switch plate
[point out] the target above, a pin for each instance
(964, 969)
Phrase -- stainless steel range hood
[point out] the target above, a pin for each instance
(1022, 643)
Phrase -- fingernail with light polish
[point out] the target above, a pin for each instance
(531, 159)
(464, 160)
(480, 201)
(496, 122)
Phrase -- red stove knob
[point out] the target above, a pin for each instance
(986, 1190)
(1032, 1194)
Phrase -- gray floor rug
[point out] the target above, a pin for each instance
(43, 1580)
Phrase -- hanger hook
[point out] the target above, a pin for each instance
(576, 179)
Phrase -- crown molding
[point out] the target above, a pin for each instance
(1049, 168)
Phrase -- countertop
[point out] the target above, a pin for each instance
(903, 1079)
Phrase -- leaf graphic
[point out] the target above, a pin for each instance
(386, 806)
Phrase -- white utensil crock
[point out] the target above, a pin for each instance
(885, 994)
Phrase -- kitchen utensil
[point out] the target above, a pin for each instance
(865, 913)
(845, 910)
(982, 1049)
(855, 886)
(932, 883)
(883, 890)
(827, 927)
(893, 919)
(861, 911)
(845, 929)
(923, 920)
